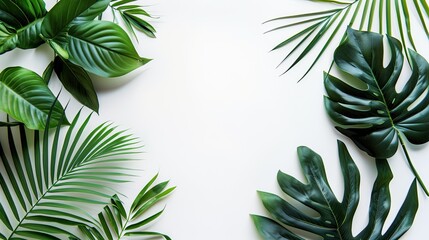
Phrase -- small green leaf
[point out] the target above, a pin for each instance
(103, 48)
(26, 98)
(77, 82)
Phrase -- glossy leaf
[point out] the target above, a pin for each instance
(26, 98)
(62, 14)
(48, 177)
(20, 24)
(117, 222)
(367, 107)
(333, 219)
(103, 48)
(318, 31)
(92, 12)
(77, 82)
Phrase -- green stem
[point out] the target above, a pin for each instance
(413, 169)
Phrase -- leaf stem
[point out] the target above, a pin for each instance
(413, 169)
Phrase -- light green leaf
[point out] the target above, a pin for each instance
(26, 98)
(103, 48)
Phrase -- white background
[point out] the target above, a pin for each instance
(218, 120)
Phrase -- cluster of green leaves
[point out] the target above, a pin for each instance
(366, 105)
(52, 178)
(318, 30)
(333, 219)
(81, 44)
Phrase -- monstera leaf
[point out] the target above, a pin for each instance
(117, 222)
(366, 105)
(334, 219)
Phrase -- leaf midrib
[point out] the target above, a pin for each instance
(25, 100)
(105, 48)
(329, 206)
(43, 195)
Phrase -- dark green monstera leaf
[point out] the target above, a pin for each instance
(334, 219)
(366, 105)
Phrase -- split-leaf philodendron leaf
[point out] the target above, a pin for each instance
(334, 219)
(366, 105)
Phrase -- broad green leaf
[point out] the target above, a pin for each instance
(20, 24)
(29, 36)
(103, 48)
(92, 12)
(366, 105)
(26, 98)
(77, 82)
(334, 219)
(62, 14)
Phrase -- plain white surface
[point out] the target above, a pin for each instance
(216, 118)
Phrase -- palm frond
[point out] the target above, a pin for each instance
(116, 222)
(133, 17)
(318, 30)
(47, 176)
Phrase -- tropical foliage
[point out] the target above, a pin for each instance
(133, 16)
(116, 222)
(366, 105)
(52, 178)
(47, 176)
(81, 43)
(318, 30)
(333, 219)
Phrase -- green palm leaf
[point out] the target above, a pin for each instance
(366, 106)
(48, 177)
(133, 16)
(116, 222)
(318, 30)
(334, 219)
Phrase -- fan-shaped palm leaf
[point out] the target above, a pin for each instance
(46, 184)
(334, 219)
(116, 222)
(318, 30)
